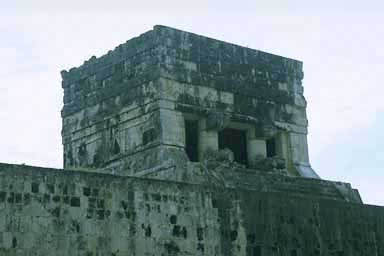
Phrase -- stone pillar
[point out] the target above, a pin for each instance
(172, 127)
(299, 147)
(299, 155)
(283, 150)
(255, 147)
(208, 139)
(282, 146)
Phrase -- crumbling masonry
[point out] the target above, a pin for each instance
(179, 144)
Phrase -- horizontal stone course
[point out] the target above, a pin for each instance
(57, 212)
(197, 75)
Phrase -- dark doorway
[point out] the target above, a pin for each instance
(271, 147)
(236, 141)
(256, 251)
(191, 139)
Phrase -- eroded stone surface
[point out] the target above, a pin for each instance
(55, 212)
(176, 144)
(124, 112)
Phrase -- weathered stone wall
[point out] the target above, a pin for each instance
(135, 98)
(110, 103)
(248, 82)
(203, 76)
(56, 212)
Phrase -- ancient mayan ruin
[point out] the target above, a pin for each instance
(176, 144)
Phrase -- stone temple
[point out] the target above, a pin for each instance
(176, 144)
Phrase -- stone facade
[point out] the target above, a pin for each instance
(55, 212)
(176, 145)
(126, 111)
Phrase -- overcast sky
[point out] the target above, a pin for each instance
(340, 42)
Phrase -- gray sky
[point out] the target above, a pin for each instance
(340, 42)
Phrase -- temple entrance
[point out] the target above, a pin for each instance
(271, 147)
(191, 139)
(236, 141)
